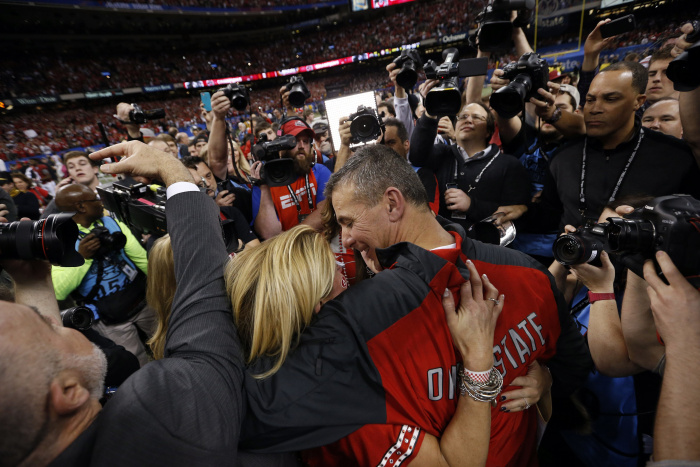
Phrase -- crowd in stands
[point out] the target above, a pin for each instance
(235, 4)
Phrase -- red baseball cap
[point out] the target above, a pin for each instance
(296, 127)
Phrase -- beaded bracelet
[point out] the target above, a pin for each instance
(480, 391)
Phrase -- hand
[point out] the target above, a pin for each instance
(596, 279)
(426, 86)
(473, 325)
(207, 116)
(497, 80)
(145, 161)
(123, 110)
(681, 44)
(675, 306)
(224, 198)
(457, 200)
(623, 210)
(511, 212)
(344, 130)
(220, 105)
(595, 43)
(545, 109)
(88, 245)
(65, 182)
(255, 169)
(536, 383)
(445, 128)
(27, 271)
(284, 94)
(3, 213)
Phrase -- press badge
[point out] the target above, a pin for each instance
(130, 272)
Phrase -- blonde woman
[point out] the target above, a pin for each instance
(235, 157)
(276, 288)
(160, 291)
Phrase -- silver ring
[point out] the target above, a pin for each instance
(527, 406)
(494, 300)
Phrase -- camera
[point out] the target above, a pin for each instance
(446, 98)
(526, 76)
(495, 28)
(109, 241)
(51, 239)
(275, 171)
(684, 70)
(364, 125)
(668, 223)
(298, 92)
(410, 64)
(136, 204)
(138, 115)
(79, 317)
(238, 95)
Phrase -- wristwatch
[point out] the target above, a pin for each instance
(556, 115)
(594, 297)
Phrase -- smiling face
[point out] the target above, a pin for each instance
(363, 228)
(471, 124)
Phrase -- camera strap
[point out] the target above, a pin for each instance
(582, 194)
(476, 181)
(295, 200)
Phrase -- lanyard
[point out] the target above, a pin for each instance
(582, 194)
(478, 177)
(296, 200)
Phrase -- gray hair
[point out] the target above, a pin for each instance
(372, 170)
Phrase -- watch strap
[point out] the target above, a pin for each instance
(556, 115)
(594, 297)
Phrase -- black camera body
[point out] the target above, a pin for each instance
(136, 204)
(78, 317)
(275, 171)
(365, 125)
(668, 223)
(684, 70)
(138, 115)
(409, 64)
(109, 241)
(527, 75)
(446, 98)
(495, 28)
(238, 95)
(51, 239)
(298, 92)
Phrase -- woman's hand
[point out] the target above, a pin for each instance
(535, 384)
(596, 279)
(473, 324)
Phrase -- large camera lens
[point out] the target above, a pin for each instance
(78, 317)
(365, 128)
(408, 76)
(444, 99)
(297, 95)
(508, 101)
(575, 249)
(279, 172)
(51, 239)
(636, 235)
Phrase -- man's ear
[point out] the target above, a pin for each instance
(407, 145)
(67, 394)
(395, 203)
(641, 98)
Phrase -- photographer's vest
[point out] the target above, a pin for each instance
(107, 288)
(293, 203)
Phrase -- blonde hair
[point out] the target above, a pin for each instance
(274, 288)
(160, 291)
(243, 164)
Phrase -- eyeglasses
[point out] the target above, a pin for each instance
(474, 117)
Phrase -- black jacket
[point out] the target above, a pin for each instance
(505, 182)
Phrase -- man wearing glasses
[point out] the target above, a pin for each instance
(112, 282)
(475, 179)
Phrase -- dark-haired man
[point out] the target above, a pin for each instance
(81, 170)
(277, 209)
(659, 86)
(617, 156)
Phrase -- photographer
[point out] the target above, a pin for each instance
(6, 198)
(277, 209)
(112, 282)
(474, 179)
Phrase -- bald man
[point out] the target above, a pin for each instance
(112, 282)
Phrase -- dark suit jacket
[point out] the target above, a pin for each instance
(185, 409)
